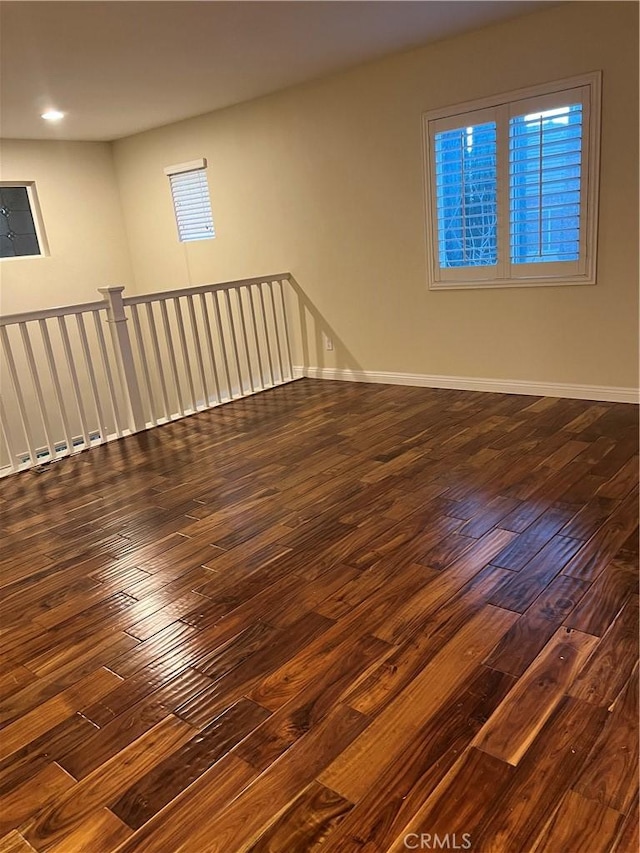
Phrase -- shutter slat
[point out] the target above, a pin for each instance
(193, 219)
(528, 149)
(575, 209)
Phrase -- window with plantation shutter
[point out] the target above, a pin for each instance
(191, 201)
(512, 186)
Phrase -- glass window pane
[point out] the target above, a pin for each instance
(17, 226)
(545, 185)
(466, 183)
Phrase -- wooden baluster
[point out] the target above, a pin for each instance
(22, 409)
(209, 342)
(266, 334)
(172, 356)
(198, 349)
(7, 439)
(156, 354)
(106, 366)
(275, 327)
(55, 379)
(37, 387)
(185, 353)
(75, 385)
(243, 327)
(92, 376)
(286, 330)
(137, 330)
(234, 341)
(223, 347)
(254, 326)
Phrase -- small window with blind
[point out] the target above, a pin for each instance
(512, 188)
(191, 201)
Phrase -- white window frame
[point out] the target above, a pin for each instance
(501, 108)
(36, 213)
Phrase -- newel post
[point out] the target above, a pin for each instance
(117, 320)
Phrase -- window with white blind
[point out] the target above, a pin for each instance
(191, 201)
(512, 188)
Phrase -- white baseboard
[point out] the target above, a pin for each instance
(468, 383)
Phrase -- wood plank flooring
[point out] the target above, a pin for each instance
(332, 616)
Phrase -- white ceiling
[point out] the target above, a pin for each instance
(117, 68)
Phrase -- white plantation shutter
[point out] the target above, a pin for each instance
(466, 189)
(512, 187)
(464, 198)
(546, 199)
(191, 201)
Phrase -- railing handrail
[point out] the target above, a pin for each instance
(84, 307)
(204, 288)
(124, 364)
(45, 313)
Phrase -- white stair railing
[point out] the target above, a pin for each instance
(68, 384)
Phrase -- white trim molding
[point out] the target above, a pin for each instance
(611, 394)
(500, 111)
(190, 166)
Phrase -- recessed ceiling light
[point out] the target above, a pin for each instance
(52, 115)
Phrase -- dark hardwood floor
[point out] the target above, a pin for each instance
(331, 616)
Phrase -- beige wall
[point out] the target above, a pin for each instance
(82, 217)
(80, 204)
(326, 180)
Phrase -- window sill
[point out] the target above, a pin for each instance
(22, 258)
(510, 283)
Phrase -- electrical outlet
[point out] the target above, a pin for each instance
(328, 342)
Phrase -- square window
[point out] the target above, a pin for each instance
(512, 187)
